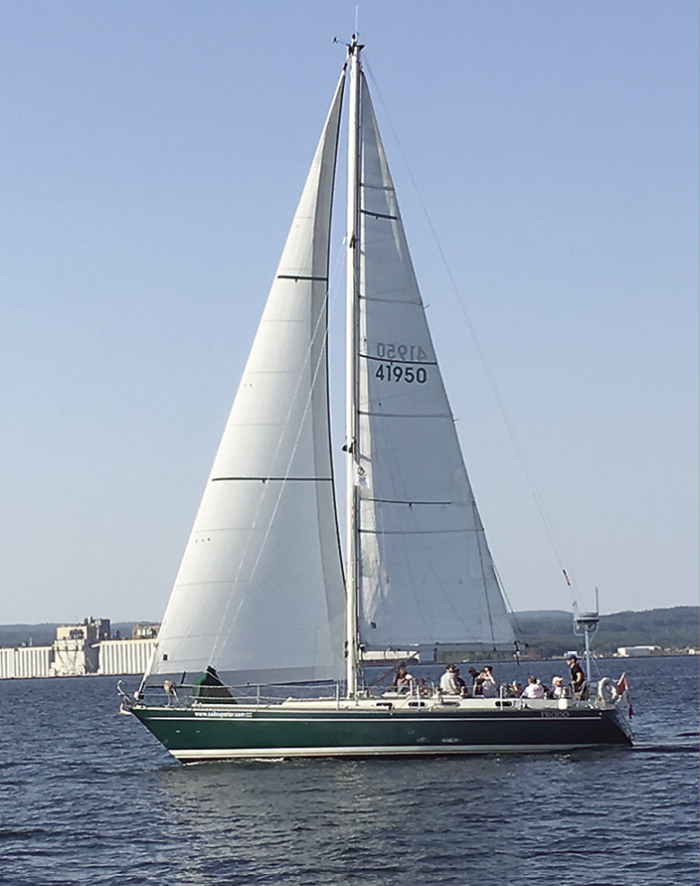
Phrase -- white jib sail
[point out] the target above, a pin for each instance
(426, 573)
(259, 594)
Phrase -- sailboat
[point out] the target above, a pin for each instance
(263, 599)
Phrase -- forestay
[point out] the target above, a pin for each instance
(425, 574)
(259, 594)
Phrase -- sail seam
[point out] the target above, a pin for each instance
(301, 277)
(412, 532)
(379, 215)
(280, 479)
(402, 362)
(400, 501)
(375, 299)
(406, 414)
(377, 187)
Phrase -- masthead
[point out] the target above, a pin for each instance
(354, 47)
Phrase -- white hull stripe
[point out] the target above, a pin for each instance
(202, 755)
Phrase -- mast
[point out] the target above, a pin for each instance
(352, 282)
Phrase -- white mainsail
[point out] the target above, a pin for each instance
(425, 573)
(259, 594)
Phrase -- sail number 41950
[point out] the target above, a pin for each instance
(394, 371)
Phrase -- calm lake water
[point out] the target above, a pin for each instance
(90, 797)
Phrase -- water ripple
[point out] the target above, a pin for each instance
(90, 798)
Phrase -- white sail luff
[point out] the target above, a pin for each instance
(259, 594)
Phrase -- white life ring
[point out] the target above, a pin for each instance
(607, 691)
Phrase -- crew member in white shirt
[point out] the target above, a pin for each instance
(534, 688)
(448, 681)
(558, 688)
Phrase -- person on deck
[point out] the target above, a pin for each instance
(558, 688)
(461, 685)
(448, 681)
(476, 681)
(489, 687)
(534, 688)
(403, 681)
(578, 678)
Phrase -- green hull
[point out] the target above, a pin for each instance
(208, 732)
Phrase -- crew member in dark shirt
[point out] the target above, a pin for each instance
(578, 678)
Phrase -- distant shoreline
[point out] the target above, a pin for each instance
(417, 664)
(543, 635)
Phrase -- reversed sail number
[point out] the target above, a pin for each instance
(408, 353)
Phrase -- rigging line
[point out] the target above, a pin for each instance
(479, 536)
(378, 536)
(539, 504)
(219, 639)
(381, 537)
(321, 323)
(322, 326)
(322, 351)
(509, 605)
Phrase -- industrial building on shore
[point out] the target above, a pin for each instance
(82, 649)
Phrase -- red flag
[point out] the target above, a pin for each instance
(623, 689)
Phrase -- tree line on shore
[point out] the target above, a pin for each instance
(673, 630)
(540, 634)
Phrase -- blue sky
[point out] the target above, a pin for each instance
(152, 156)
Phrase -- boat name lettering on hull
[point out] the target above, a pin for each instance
(221, 715)
(554, 714)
